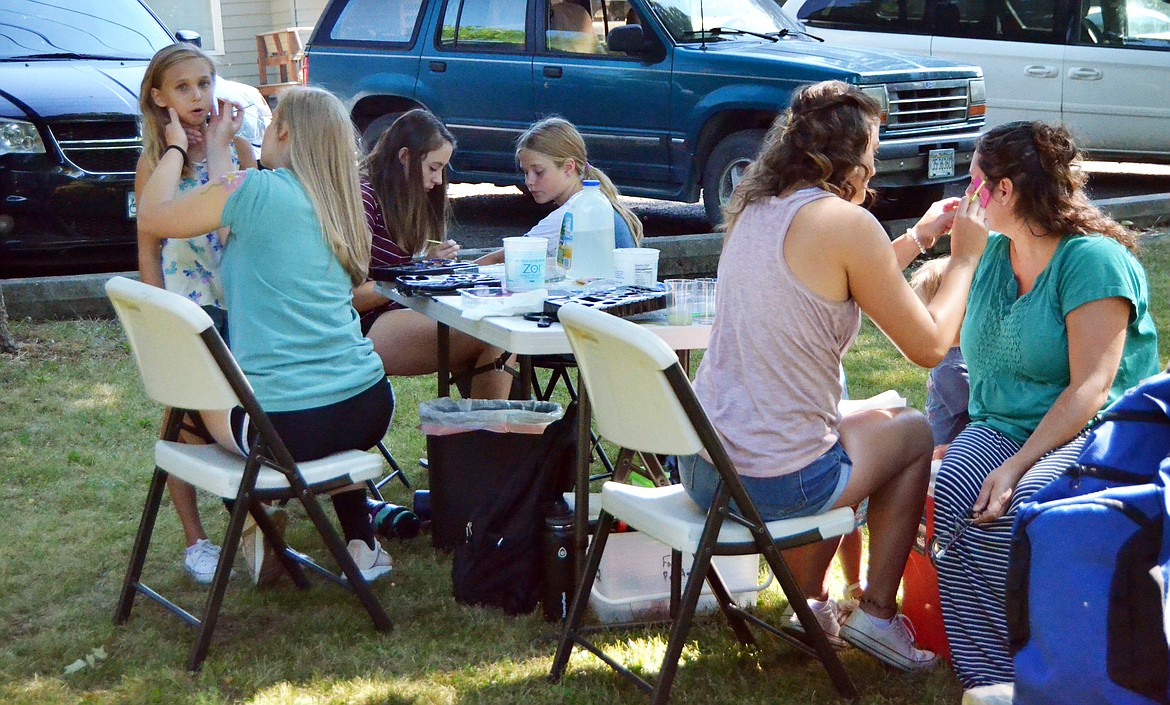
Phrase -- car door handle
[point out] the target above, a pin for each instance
(1084, 73)
(438, 66)
(552, 71)
(1039, 71)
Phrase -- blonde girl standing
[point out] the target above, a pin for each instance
(181, 77)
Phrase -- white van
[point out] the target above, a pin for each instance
(1100, 66)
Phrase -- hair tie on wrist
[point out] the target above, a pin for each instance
(178, 149)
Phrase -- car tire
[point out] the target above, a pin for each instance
(905, 201)
(375, 129)
(725, 168)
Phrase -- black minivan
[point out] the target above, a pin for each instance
(70, 134)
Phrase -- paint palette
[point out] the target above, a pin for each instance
(622, 301)
(422, 267)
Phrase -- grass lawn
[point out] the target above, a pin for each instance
(75, 439)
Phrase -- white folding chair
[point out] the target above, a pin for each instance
(642, 400)
(184, 364)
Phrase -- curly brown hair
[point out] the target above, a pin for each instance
(819, 141)
(1043, 164)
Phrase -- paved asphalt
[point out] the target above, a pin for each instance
(485, 214)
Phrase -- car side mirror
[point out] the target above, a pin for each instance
(189, 36)
(628, 39)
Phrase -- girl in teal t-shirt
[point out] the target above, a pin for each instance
(297, 245)
(1057, 326)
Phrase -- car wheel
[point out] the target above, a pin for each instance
(725, 169)
(375, 129)
(905, 201)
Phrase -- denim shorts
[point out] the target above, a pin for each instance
(809, 491)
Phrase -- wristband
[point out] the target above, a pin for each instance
(177, 148)
(917, 241)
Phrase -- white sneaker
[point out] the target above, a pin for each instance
(373, 563)
(259, 555)
(828, 614)
(201, 560)
(889, 641)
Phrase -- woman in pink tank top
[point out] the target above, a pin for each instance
(802, 258)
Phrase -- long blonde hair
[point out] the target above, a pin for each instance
(154, 118)
(557, 139)
(323, 148)
(413, 215)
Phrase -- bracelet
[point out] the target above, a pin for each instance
(917, 241)
(183, 152)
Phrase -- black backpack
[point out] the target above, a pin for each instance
(498, 563)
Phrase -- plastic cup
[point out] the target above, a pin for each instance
(705, 301)
(636, 266)
(524, 263)
(682, 302)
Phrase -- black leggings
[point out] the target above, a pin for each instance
(357, 423)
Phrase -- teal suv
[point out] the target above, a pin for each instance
(672, 96)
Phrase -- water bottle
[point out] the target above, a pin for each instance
(559, 574)
(587, 240)
(393, 521)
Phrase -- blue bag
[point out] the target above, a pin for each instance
(1086, 598)
(1125, 445)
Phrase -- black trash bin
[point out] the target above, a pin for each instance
(472, 447)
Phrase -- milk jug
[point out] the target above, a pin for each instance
(587, 240)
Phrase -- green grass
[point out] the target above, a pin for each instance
(75, 438)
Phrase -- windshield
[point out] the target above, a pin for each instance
(115, 29)
(692, 20)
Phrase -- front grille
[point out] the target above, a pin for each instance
(100, 146)
(918, 104)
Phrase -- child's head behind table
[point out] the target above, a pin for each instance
(926, 280)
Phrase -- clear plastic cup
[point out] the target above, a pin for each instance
(705, 301)
(681, 310)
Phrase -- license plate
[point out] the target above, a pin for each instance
(131, 206)
(940, 163)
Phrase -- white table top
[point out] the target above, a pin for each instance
(516, 335)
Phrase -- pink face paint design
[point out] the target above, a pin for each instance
(980, 192)
(231, 182)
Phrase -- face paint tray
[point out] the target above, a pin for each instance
(422, 267)
(439, 284)
(621, 301)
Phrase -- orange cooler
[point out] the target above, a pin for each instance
(920, 600)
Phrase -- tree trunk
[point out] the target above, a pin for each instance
(7, 342)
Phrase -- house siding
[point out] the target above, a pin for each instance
(244, 19)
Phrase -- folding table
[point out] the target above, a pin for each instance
(524, 339)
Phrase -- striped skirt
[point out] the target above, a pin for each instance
(972, 573)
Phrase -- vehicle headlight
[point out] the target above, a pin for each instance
(882, 96)
(19, 137)
(976, 98)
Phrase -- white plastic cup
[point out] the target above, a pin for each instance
(524, 263)
(636, 266)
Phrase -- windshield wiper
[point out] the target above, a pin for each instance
(719, 31)
(770, 36)
(786, 32)
(63, 55)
